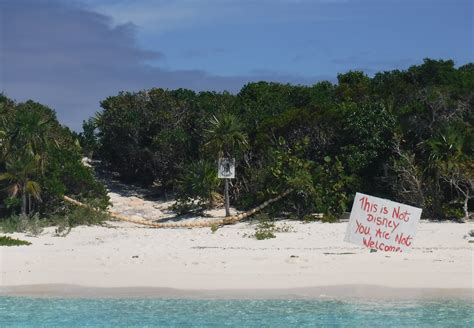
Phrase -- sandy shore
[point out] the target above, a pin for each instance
(313, 261)
(360, 292)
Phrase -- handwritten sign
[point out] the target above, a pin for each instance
(381, 224)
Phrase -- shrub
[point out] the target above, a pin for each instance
(197, 188)
(214, 228)
(261, 234)
(73, 216)
(8, 241)
(30, 224)
(265, 228)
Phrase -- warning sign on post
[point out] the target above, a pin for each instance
(226, 169)
(381, 224)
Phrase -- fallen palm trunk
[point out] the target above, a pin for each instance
(191, 224)
(241, 216)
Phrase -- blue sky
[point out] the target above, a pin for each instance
(307, 38)
(72, 54)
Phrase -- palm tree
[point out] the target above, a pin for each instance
(450, 162)
(200, 179)
(3, 128)
(225, 138)
(19, 174)
(29, 134)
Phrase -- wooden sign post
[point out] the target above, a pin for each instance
(226, 171)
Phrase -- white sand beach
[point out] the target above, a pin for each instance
(125, 259)
(302, 262)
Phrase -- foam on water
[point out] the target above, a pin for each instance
(45, 312)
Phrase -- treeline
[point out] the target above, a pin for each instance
(40, 161)
(404, 135)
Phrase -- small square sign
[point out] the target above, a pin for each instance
(226, 169)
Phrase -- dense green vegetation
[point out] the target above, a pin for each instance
(403, 135)
(8, 241)
(40, 161)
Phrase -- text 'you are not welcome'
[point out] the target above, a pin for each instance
(381, 224)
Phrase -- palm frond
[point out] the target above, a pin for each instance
(7, 176)
(33, 188)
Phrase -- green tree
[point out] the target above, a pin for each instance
(19, 176)
(30, 132)
(40, 162)
(378, 132)
(451, 164)
(88, 138)
(199, 182)
(225, 138)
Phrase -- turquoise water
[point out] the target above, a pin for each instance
(30, 312)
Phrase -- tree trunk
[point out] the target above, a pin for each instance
(23, 203)
(465, 207)
(199, 223)
(226, 196)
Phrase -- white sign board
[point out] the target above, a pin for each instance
(226, 169)
(381, 224)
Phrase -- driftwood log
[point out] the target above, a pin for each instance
(190, 224)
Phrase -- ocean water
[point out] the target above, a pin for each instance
(41, 312)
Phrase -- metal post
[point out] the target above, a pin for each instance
(226, 196)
